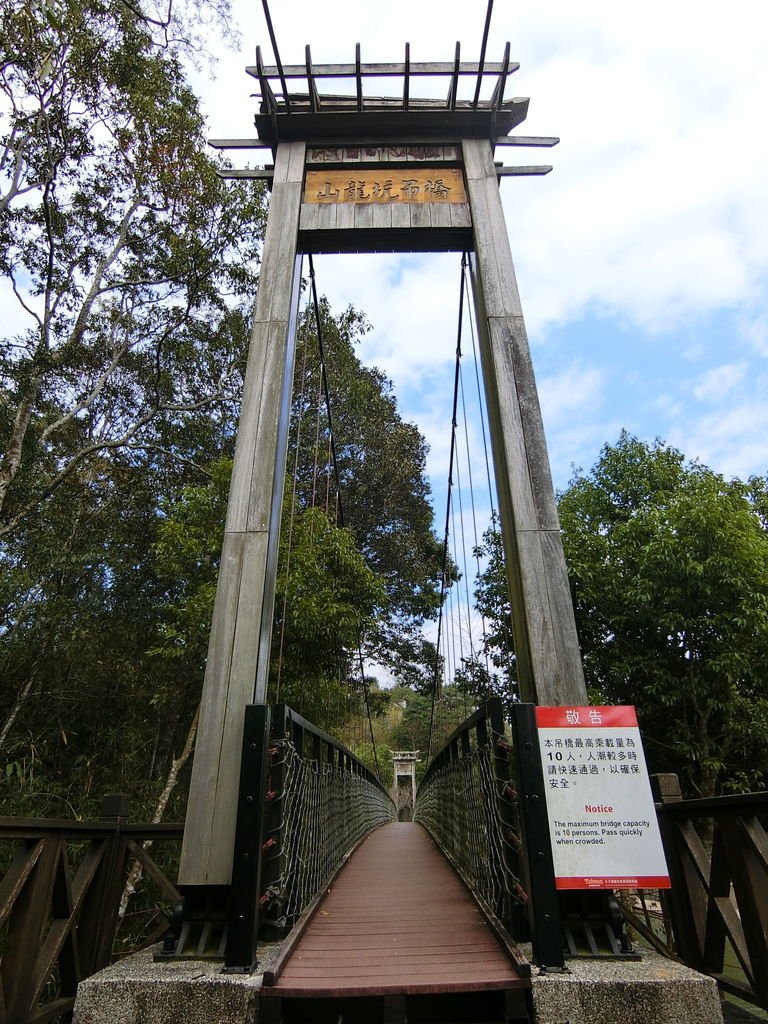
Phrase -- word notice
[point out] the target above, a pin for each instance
(602, 821)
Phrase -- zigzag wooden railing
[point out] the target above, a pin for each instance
(719, 896)
(59, 905)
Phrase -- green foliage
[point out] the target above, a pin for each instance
(669, 563)
(384, 491)
(326, 597)
(326, 600)
(133, 267)
(132, 262)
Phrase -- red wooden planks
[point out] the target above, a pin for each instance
(398, 920)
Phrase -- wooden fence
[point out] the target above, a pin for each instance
(59, 904)
(717, 853)
(60, 895)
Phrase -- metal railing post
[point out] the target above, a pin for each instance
(538, 866)
(240, 953)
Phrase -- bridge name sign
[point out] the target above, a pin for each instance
(602, 819)
(394, 184)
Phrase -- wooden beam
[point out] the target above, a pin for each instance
(254, 173)
(519, 172)
(407, 76)
(314, 97)
(453, 89)
(267, 95)
(238, 144)
(358, 78)
(497, 99)
(527, 140)
(245, 590)
(546, 644)
(392, 70)
(420, 125)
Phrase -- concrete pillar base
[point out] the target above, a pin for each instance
(138, 991)
(653, 990)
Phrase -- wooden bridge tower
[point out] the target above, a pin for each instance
(357, 173)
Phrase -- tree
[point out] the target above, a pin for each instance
(129, 258)
(132, 267)
(669, 570)
(384, 492)
(669, 566)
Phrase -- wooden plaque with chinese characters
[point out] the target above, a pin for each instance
(385, 185)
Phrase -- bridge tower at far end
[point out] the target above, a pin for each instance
(404, 782)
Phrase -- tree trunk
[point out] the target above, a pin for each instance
(20, 699)
(134, 876)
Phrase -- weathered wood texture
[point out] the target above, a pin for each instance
(393, 69)
(397, 921)
(546, 644)
(719, 895)
(344, 216)
(395, 227)
(241, 595)
(60, 895)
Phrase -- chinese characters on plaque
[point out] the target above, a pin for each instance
(602, 819)
(385, 185)
(382, 155)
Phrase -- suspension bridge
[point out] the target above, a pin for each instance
(289, 835)
(355, 172)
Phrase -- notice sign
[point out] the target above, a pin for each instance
(602, 820)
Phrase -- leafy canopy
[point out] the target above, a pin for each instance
(668, 564)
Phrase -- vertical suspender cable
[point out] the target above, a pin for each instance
(292, 518)
(339, 506)
(446, 532)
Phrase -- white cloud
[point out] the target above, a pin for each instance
(654, 217)
(716, 384)
(733, 441)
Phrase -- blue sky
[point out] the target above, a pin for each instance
(642, 258)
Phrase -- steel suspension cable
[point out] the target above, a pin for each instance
(491, 489)
(292, 519)
(446, 532)
(339, 505)
(324, 379)
(480, 402)
(474, 525)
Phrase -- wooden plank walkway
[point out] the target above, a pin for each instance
(397, 921)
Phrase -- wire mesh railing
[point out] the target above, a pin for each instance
(325, 802)
(468, 802)
(305, 802)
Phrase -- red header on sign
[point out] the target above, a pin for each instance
(618, 882)
(621, 716)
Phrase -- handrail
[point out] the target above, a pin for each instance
(483, 800)
(294, 778)
(467, 800)
(719, 893)
(288, 722)
(61, 909)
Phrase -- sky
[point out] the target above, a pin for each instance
(642, 258)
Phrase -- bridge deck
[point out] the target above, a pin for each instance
(397, 921)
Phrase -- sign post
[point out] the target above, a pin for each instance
(602, 819)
